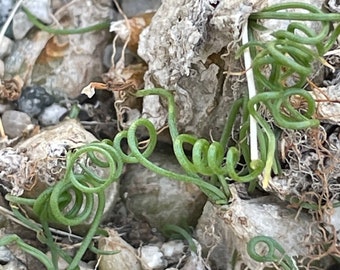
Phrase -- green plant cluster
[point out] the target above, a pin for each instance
(281, 67)
(76, 199)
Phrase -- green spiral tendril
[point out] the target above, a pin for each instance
(207, 158)
(74, 200)
(101, 155)
(281, 68)
(211, 191)
(274, 252)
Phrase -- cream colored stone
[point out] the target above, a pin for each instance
(125, 259)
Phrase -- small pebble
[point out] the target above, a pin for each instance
(5, 107)
(8, 259)
(33, 100)
(2, 68)
(5, 255)
(5, 47)
(333, 6)
(173, 248)
(6, 6)
(132, 7)
(40, 9)
(51, 114)
(21, 25)
(15, 122)
(125, 259)
(152, 257)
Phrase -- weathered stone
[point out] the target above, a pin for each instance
(152, 257)
(5, 47)
(62, 64)
(125, 259)
(33, 100)
(188, 46)
(51, 114)
(222, 230)
(158, 199)
(15, 122)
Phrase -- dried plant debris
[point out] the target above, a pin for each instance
(10, 90)
(310, 174)
(123, 80)
(310, 169)
(128, 30)
(124, 83)
(17, 171)
(328, 102)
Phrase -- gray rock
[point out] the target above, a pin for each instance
(223, 229)
(177, 46)
(5, 47)
(173, 250)
(5, 107)
(152, 257)
(6, 6)
(34, 99)
(9, 260)
(14, 167)
(2, 68)
(15, 122)
(51, 115)
(125, 259)
(132, 7)
(21, 25)
(14, 265)
(41, 9)
(158, 199)
(5, 255)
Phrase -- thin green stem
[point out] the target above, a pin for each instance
(48, 29)
(90, 233)
(13, 238)
(169, 228)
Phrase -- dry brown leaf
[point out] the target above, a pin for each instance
(131, 29)
(11, 89)
(56, 47)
